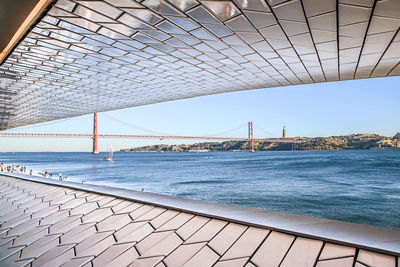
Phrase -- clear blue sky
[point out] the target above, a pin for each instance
(336, 108)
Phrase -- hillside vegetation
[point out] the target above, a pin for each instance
(353, 141)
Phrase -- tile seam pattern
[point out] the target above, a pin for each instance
(229, 214)
(153, 247)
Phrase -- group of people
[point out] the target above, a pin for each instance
(47, 174)
(12, 168)
(22, 169)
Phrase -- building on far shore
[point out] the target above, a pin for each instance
(284, 132)
(396, 139)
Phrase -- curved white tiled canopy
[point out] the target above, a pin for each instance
(86, 56)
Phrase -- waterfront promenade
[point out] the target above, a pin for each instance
(46, 222)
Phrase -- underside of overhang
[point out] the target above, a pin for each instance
(12, 15)
(99, 55)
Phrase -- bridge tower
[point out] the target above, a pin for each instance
(251, 136)
(95, 151)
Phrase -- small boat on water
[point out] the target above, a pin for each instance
(109, 157)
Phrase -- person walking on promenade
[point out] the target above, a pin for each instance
(60, 176)
(30, 172)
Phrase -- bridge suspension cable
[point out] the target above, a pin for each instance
(165, 134)
(134, 126)
(228, 131)
(266, 132)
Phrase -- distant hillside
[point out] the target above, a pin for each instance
(353, 141)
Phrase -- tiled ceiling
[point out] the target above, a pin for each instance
(86, 56)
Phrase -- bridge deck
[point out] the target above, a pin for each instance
(50, 223)
(136, 136)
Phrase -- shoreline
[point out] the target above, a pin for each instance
(194, 151)
(35, 173)
(345, 142)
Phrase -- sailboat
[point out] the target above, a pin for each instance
(109, 157)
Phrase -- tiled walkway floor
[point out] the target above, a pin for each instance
(46, 225)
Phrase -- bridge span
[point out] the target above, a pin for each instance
(136, 136)
(154, 135)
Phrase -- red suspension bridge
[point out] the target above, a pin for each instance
(95, 136)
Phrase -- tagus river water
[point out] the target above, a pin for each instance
(361, 186)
